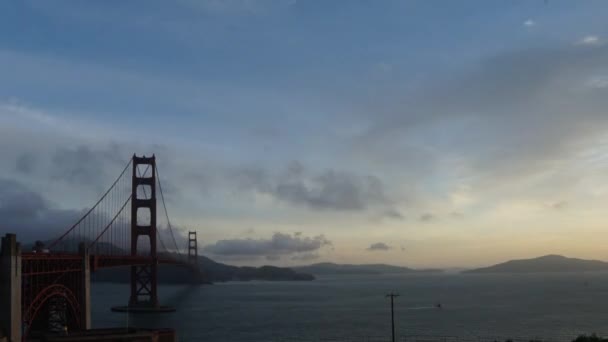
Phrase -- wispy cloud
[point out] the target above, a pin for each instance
(328, 190)
(378, 246)
(237, 6)
(598, 82)
(561, 205)
(393, 214)
(305, 257)
(590, 40)
(427, 217)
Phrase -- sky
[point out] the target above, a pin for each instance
(415, 133)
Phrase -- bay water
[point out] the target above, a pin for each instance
(550, 307)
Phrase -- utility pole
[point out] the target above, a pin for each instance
(392, 296)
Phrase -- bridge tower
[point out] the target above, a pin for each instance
(144, 277)
(192, 248)
(198, 276)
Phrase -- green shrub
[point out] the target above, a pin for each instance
(590, 338)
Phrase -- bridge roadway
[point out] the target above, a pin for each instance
(29, 282)
(48, 263)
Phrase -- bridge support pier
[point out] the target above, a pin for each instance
(85, 293)
(10, 289)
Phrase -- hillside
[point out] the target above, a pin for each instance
(547, 263)
(327, 268)
(216, 271)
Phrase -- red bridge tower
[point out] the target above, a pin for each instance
(192, 249)
(144, 278)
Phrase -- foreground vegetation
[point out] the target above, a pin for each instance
(581, 338)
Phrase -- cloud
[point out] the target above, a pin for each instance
(426, 217)
(598, 82)
(378, 246)
(66, 166)
(561, 205)
(590, 40)
(333, 190)
(83, 164)
(278, 244)
(29, 215)
(529, 23)
(305, 257)
(25, 163)
(327, 190)
(510, 118)
(393, 214)
(456, 215)
(237, 7)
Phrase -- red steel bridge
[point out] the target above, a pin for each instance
(48, 289)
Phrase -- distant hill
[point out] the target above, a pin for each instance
(328, 268)
(216, 271)
(547, 263)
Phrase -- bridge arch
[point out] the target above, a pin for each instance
(46, 297)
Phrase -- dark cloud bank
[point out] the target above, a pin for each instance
(29, 215)
(280, 244)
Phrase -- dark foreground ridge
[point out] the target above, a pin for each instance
(547, 263)
(328, 268)
(430, 338)
(109, 334)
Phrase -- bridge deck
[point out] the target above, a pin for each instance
(48, 263)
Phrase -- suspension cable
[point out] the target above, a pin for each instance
(111, 222)
(93, 208)
(160, 187)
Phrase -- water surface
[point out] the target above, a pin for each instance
(553, 307)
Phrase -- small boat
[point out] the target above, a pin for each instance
(438, 305)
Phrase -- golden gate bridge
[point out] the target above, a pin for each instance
(48, 289)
